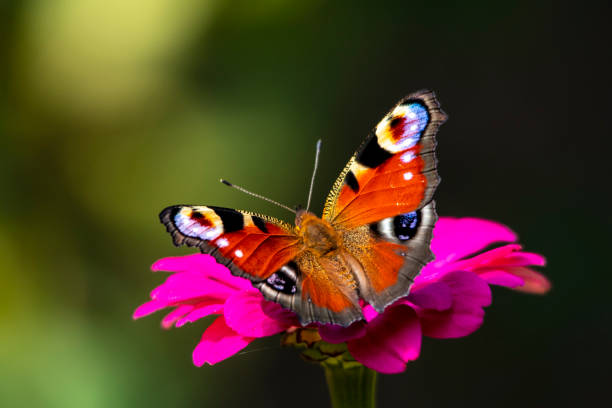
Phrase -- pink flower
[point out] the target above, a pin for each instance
(201, 287)
(446, 300)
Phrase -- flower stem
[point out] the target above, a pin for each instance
(351, 385)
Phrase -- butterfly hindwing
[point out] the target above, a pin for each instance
(410, 235)
(320, 294)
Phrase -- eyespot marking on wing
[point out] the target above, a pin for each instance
(198, 222)
(400, 228)
(402, 128)
(406, 225)
(284, 280)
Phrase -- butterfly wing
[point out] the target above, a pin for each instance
(253, 246)
(382, 201)
(268, 253)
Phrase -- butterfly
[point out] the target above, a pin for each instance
(368, 246)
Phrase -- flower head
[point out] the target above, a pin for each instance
(201, 287)
(446, 299)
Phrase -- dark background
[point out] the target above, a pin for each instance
(112, 110)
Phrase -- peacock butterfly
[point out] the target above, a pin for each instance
(370, 243)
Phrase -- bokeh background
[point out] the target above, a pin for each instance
(111, 110)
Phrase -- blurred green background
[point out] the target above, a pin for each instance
(112, 110)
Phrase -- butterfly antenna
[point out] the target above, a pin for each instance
(244, 190)
(314, 173)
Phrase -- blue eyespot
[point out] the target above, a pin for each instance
(405, 226)
(414, 121)
(417, 113)
(284, 279)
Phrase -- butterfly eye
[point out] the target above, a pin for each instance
(284, 280)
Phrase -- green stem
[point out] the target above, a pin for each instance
(351, 385)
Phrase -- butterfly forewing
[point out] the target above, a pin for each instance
(250, 243)
(394, 170)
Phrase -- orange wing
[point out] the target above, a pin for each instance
(382, 201)
(251, 245)
(394, 172)
(268, 253)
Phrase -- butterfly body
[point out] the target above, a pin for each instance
(317, 235)
(371, 241)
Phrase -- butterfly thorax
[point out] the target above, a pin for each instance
(317, 234)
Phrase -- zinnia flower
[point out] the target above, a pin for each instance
(446, 300)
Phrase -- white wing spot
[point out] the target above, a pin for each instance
(407, 176)
(222, 242)
(407, 157)
(238, 253)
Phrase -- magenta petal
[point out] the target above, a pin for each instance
(249, 314)
(203, 264)
(534, 282)
(151, 306)
(436, 296)
(455, 238)
(175, 315)
(470, 294)
(218, 343)
(186, 286)
(524, 259)
(496, 256)
(335, 334)
(505, 266)
(500, 277)
(184, 263)
(201, 310)
(392, 339)
(369, 313)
